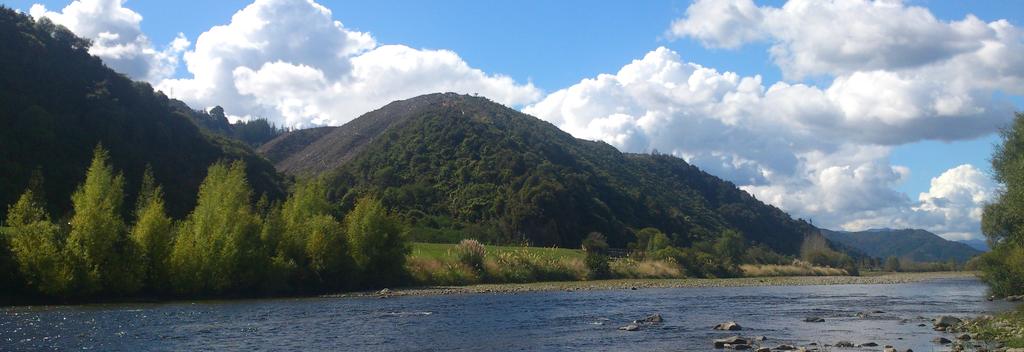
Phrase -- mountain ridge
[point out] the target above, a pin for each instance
(915, 244)
(447, 159)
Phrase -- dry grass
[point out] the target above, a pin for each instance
(647, 269)
(798, 268)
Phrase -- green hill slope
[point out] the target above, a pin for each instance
(450, 162)
(916, 245)
(57, 103)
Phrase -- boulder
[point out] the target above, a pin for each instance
(946, 321)
(941, 340)
(731, 340)
(814, 320)
(738, 346)
(763, 349)
(869, 344)
(651, 319)
(630, 327)
(785, 348)
(729, 326)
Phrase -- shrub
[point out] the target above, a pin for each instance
(471, 253)
(597, 256)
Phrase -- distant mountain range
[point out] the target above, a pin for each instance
(980, 245)
(914, 244)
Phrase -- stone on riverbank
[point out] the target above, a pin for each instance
(946, 321)
(729, 326)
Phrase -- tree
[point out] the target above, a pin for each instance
(376, 242)
(98, 241)
(36, 249)
(152, 234)
(730, 246)
(1003, 220)
(217, 247)
(892, 264)
(596, 248)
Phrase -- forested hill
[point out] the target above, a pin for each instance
(914, 244)
(458, 164)
(57, 103)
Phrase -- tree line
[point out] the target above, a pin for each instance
(227, 246)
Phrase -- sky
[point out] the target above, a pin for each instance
(854, 114)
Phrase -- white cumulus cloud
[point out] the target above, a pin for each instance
(819, 153)
(117, 37)
(292, 62)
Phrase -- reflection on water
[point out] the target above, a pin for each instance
(584, 321)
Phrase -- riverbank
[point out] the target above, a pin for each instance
(630, 284)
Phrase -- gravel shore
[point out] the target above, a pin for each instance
(629, 284)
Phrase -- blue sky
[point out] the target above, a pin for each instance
(554, 45)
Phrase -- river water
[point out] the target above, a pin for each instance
(538, 321)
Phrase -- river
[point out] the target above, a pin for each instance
(535, 321)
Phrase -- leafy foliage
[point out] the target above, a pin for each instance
(98, 242)
(217, 247)
(1003, 220)
(377, 244)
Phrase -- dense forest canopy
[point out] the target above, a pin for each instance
(57, 103)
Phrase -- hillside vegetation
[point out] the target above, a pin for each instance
(456, 166)
(57, 103)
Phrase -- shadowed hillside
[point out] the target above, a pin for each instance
(57, 103)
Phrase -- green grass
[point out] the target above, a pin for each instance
(445, 252)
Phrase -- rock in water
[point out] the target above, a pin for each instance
(763, 349)
(728, 326)
(946, 321)
(651, 319)
(731, 341)
(814, 320)
(844, 344)
(785, 348)
(941, 340)
(630, 327)
(869, 344)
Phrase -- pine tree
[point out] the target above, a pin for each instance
(152, 234)
(98, 242)
(217, 249)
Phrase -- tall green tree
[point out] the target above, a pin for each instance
(98, 241)
(312, 239)
(376, 242)
(153, 234)
(1003, 220)
(217, 249)
(37, 248)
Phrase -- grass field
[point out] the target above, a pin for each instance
(442, 251)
